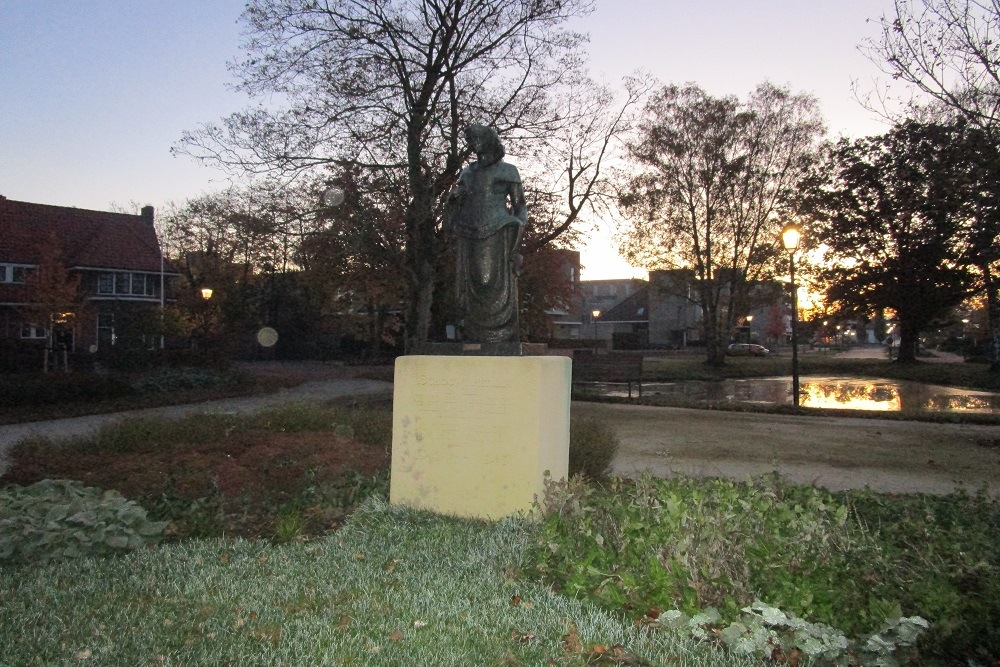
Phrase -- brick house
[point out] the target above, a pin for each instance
(114, 258)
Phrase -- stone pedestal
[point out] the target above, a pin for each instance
(474, 436)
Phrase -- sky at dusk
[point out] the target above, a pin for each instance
(94, 94)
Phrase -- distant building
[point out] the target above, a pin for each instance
(665, 313)
(600, 296)
(564, 313)
(114, 257)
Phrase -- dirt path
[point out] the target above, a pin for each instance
(837, 453)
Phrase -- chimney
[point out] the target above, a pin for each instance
(147, 215)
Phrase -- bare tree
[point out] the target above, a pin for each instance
(389, 84)
(949, 51)
(713, 183)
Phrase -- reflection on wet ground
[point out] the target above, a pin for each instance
(828, 392)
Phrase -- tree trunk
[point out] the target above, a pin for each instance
(993, 317)
(909, 339)
(421, 242)
(715, 352)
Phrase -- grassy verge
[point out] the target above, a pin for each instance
(391, 587)
(27, 398)
(967, 375)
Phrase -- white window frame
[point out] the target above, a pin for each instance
(8, 271)
(30, 331)
(108, 283)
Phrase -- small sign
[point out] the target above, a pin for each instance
(267, 337)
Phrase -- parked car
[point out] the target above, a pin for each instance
(748, 350)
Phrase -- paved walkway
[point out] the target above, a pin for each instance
(75, 427)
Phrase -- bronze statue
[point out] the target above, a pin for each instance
(486, 213)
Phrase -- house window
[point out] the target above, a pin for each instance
(138, 284)
(123, 283)
(32, 331)
(14, 273)
(106, 283)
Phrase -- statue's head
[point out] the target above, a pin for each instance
(485, 142)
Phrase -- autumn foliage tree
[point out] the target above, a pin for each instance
(948, 52)
(54, 298)
(891, 210)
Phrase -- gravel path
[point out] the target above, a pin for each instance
(834, 452)
(838, 453)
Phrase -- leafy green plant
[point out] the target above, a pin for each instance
(59, 519)
(854, 561)
(698, 543)
(768, 633)
(592, 448)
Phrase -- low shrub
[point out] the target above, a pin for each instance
(592, 448)
(59, 519)
(19, 391)
(169, 380)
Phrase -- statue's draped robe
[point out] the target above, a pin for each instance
(486, 233)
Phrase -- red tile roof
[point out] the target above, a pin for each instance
(91, 239)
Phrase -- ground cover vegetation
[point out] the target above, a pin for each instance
(854, 561)
(767, 570)
(391, 587)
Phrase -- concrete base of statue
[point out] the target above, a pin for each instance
(476, 436)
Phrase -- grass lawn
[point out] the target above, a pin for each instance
(391, 587)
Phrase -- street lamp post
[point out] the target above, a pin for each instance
(791, 236)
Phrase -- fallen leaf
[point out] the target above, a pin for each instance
(82, 654)
(571, 641)
(396, 636)
(224, 559)
(515, 600)
(420, 624)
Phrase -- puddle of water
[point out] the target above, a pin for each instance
(828, 392)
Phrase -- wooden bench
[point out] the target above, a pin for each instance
(610, 367)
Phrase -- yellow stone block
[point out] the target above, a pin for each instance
(474, 436)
